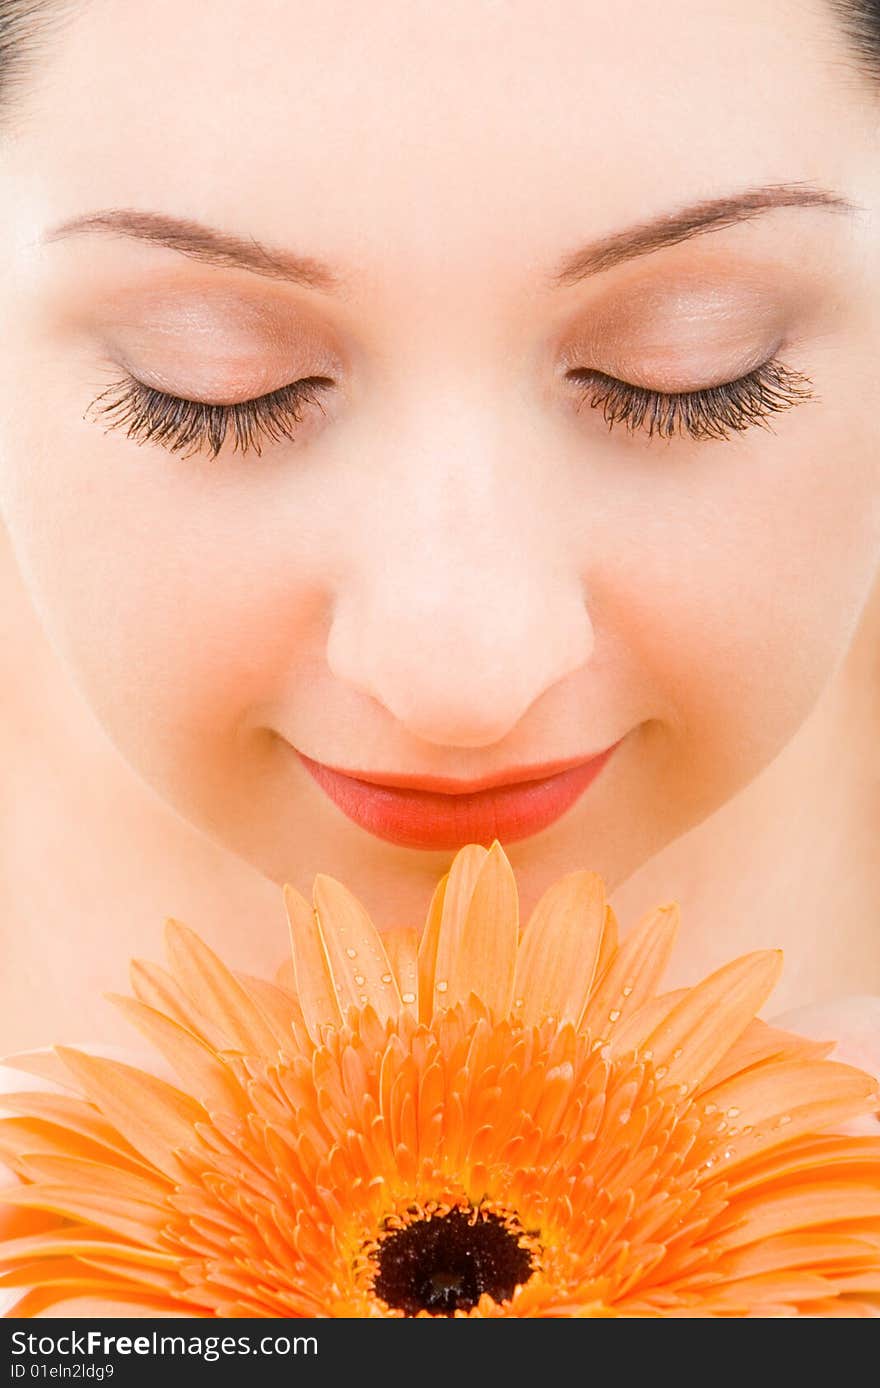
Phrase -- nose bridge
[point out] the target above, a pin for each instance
(456, 483)
(458, 607)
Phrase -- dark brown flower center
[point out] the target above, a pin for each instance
(443, 1261)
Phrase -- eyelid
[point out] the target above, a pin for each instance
(722, 302)
(666, 364)
(704, 414)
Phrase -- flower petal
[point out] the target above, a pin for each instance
(216, 992)
(155, 987)
(205, 1077)
(699, 1029)
(279, 1007)
(285, 977)
(101, 1178)
(137, 1221)
(648, 1199)
(402, 947)
(427, 951)
(759, 1043)
(633, 971)
(484, 961)
(803, 1206)
(461, 881)
(779, 1101)
(25, 1137)
(43, 1302)
(610, 943)
(44, 1064)
(358, 962)
(803, 1248)
(163, 1117)
(72, 1115)
(559, 951)
(311, 966)
(67, 1241)
(632, 1034)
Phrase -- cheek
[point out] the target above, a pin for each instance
(738, 595)
(174, 598)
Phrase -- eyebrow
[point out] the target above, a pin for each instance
(229, 251)
(208, 244)
(671, 228)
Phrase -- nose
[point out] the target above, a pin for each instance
(457, 610)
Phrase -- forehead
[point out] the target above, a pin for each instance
(410, 128)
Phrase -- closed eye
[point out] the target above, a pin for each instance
(152, 416)
(711, 413)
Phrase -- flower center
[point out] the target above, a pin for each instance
(442, 1260)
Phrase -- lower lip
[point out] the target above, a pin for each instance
(427, 819)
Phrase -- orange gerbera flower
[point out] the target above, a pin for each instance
(451, 1122)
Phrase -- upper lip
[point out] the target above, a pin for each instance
(449, 785)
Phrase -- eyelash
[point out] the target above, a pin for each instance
(153, 416)
(712, 413)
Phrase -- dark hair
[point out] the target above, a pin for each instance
(24, 24)
(861, 23)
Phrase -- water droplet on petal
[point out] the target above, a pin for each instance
(352, 953)
(519, 1002)
(709, 1109)
(614, 1015)
(386, 978)
(677, 1053)
(408, 997)
(733, 1113)
(627, 992)
(363, 998)
(442, 986)
(661, 1071)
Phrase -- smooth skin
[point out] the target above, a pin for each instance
(454, 567)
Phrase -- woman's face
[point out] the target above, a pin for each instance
(453, 568)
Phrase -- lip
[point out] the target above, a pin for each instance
(442, 813)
